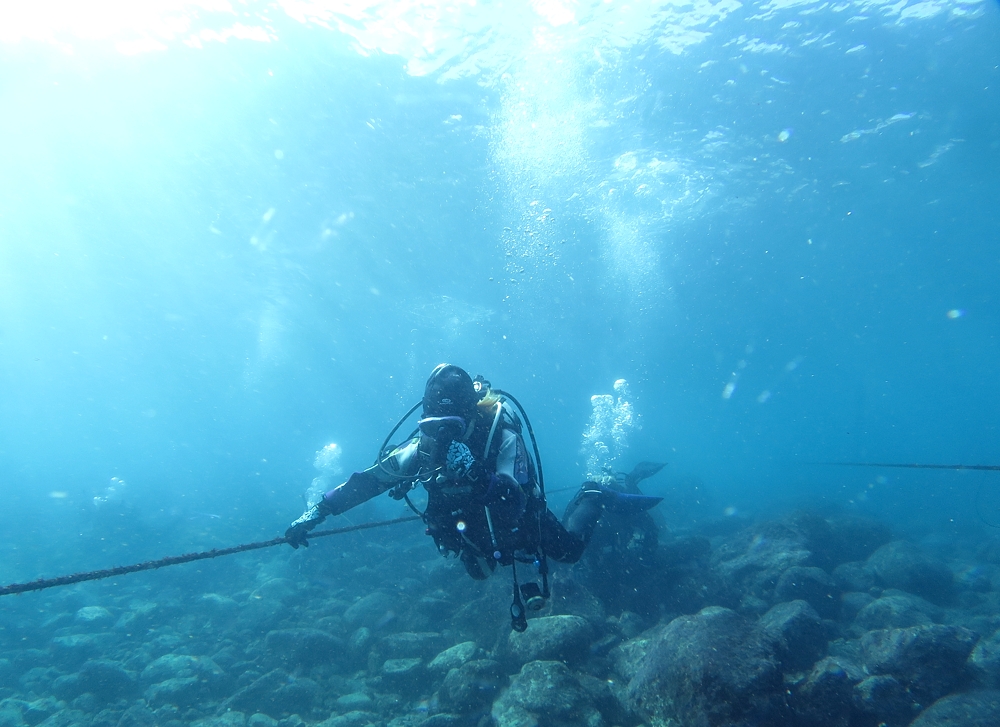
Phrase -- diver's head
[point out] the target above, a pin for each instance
(450, 393)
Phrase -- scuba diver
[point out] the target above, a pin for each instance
(622, 565)
(485, 493)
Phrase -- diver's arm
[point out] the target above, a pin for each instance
(360, 487)
(513, 465)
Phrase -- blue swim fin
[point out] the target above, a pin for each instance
(625, 503)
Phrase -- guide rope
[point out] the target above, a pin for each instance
(980, 467)
(96, 575)
(902, 465)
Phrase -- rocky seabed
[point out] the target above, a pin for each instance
(806, 620)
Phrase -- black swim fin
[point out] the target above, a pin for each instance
(642, 471)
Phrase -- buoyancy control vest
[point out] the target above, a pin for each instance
(482, 495)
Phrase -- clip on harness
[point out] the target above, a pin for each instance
(518, 621)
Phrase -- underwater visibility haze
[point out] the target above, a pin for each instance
(747, 239)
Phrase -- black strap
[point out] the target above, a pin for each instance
(518, 621)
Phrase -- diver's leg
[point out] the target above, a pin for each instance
(561, 544)
(566, 541)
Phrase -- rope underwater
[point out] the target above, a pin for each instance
(979, 467)
(95, 575)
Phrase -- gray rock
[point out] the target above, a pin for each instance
(260, 614)
(852, 602)
(551, 637)
(825, 697)
(72, 650)
(408, 644)
(471, 685)
(303, 647)
(896, 610)
(973, 709)
(406, 675)
(179, 666)
(628, 657)
(40, 709)
(902, 565)
(106, 679)
(261, 720)
(94, 615)
(277, 589)
(709, 669)
(545, 693)
(984, 662)
(351, 719)
(10, 714)
(928, 660)
(67, 687)
(140, 615)
(751, 563)
(228, 719)
(441, 719)
(180, 691)
(885, 701)
(7, 671)
(855, 576)
(138, 715)
(354, 701)
(38, 679)
(358, 644)
(812, 585)
(798, 632)
(64, 718)
(24, 659)
(453, 657)
(275, 694)
(219, 605)
(370, 610)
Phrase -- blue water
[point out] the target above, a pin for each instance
(777, 221)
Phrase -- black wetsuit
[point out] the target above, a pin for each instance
(483, 500)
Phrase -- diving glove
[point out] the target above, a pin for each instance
(296, 534)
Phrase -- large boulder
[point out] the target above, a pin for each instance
(183, 666)
(545, 693)
(409, 644)
(69, 652)
(551, 637)
(984, 662)
(370, 610)
(884, 701)
(229, 719)
(275, 694)
(106, 679)
(471, 685)
(94, 617)
(928, 660)
(749, 565)
(825, 696)
(855, 576)
(303, 647)
(453, 657)
(896, 610)
(902, 565)
(713, 669)
(798, 632)
(10, 714)
(403, 675)
(812, 585)
(973, 709)
(179, 691)
(627, 658)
